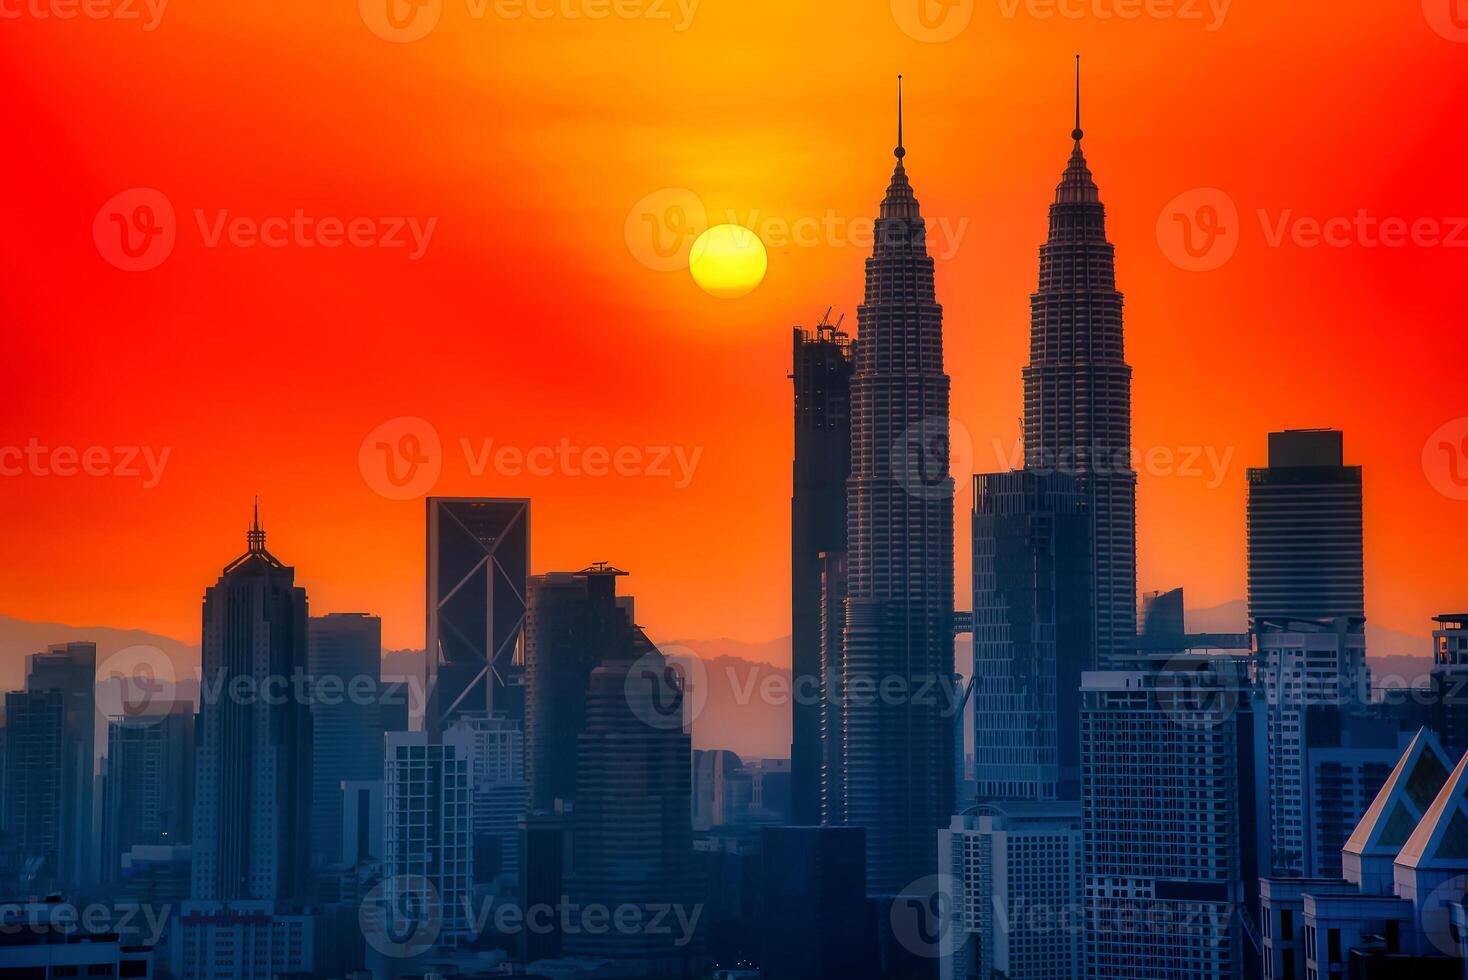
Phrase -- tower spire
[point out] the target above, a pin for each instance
(901, 151)
(1077, 133)
(256, 535)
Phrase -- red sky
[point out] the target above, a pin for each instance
(528, 143)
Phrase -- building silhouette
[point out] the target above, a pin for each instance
(344, 651)
(252, 809)
(149, 789)
(574, 621)
(632, 834)
(1167, 788)
(822, 374)
(814, 919)
(1077, 385)
(1448, 706)
(1032, 634)
(478, 562)
(1305, 543)
(899, 759)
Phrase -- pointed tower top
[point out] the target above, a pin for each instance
(1077, 133)
(256, 535)
(901, 151)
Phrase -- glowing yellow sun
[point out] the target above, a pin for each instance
(728, 261)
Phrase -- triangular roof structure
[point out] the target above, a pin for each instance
(1408, 794)
(1440, 842)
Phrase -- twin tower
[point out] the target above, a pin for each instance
(873, 539)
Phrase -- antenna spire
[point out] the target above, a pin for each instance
(256, 535)
(900, 152)
(1077, 133)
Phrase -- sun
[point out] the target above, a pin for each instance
(728, 261)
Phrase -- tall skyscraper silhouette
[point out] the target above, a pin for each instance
(345, 655)
(1305, 542)
(822, 375)
(149, 790)
(252, 808)
(1032, 634)
(899, 750)
(1078, 391)
(575, 620)
(478, 561)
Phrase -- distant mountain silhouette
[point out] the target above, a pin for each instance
(19, 638)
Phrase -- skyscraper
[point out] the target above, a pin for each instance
(252, 809)
(822, 376)
(149, 792)
(32, 799)
(1165, 791)
(574, 621)
(70, 670)
(1078, 392)
(345, 656)
(1448, 707)
(899, 751)
(632, 843)
(478, 561)
(1032, 634)
(1305, 545)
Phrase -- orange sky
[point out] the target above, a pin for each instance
(530, 320)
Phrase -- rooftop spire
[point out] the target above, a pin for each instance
(1077, 133)
(256, 535)
(900, 152)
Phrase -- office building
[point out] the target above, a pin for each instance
(899, 760)
(814, 917)
(1032, 634)
(1448, 705)
(1018, 908)
(478, 563)
(344, 651)
(149, 788)
(1304, 525)
(1078, 395)
(822, 375)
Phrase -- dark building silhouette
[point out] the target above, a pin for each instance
(545, 848)
(148, 797)
(815, 920)
(1078, 401)
(478, 563)
(899, 758)
(632, 830)
(833, 690)
(1032, 634)
(35, 815)
(822, 375)
(1448, 705)
(574, 621)
(1305, 545)
(252, 809)
(71, 669)
(344, 651)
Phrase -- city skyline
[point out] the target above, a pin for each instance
(986, 103)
